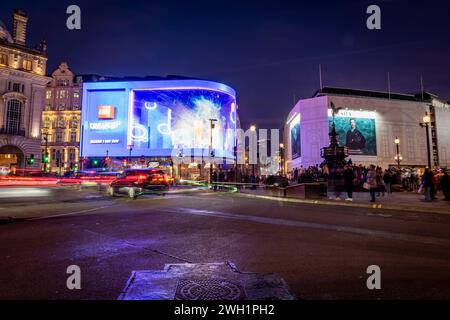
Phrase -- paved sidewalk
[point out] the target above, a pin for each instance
(403, 201)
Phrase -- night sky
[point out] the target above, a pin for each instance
(269, 51)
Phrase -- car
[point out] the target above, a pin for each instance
(135, 182)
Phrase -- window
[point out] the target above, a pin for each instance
(62, 94)
(61, 123)
(76, 95)
(72, 154)
(76, 107)
(3, 59)
(58, 138)
(46, 123)
(48, 107)
(62, 107)
(74, 123)
(48, 94)
(13, 113)
(62, 83)
(27, 65)
(73, 137)
(16, 87)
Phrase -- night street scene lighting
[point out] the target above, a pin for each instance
(224, 159)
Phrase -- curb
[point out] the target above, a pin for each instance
(6, 220)
(378, 206)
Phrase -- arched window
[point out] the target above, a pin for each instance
(13, 114)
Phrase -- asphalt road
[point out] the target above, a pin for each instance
(321, 251)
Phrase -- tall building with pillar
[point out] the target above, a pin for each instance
(61, 120)
(22, 89)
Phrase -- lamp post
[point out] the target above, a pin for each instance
(282, 159)
(212, 121)
(46, 151)
(129, 156)
(180, 159)
(252, 129)
(426, 124)
(397, 157)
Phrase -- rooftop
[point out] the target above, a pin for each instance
(427, 96)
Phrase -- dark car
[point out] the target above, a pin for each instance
(135, 182)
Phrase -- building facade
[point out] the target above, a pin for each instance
(22, 89)
(61, 121)
(369, 122)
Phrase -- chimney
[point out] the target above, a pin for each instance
(20, 20)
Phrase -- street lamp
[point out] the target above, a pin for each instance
(426, 124)
(129, 156)
(212, 121)
(180, 159)
(252, 129)
(282, 159)
(397, 157)
(46, 151)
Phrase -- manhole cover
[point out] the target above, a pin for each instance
(213, 289)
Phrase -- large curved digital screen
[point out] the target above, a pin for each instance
(154, 118)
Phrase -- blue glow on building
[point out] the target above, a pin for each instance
(155, 117)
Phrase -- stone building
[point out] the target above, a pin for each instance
(22, 89)
(61, 120)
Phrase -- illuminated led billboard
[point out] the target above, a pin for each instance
(156, 117)
(294, 128)
(356, 130)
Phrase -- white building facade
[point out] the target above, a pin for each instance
(368, 123)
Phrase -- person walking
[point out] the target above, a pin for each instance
(427, 182)
(349, 176)
(387, 181)
(371, 180)
(445, 185)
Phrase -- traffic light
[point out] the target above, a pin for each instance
(45, 158)
(31, 159)
(125, 163)
(95, 163)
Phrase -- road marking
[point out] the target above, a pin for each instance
(70, 213)
(312, 225)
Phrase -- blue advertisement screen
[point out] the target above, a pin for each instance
(180, 119)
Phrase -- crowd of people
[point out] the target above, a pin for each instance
(378, 181)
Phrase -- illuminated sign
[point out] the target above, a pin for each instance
(104, 125)
(294, 127)
(106, 141)
(106, 113)
(356, 130)
(156, 117)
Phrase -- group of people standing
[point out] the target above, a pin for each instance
(373, 179)
(429, 182)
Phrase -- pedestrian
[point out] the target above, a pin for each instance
(387, 181)
(349, 176)
(427, 182)
(445, 185)
(371, 180)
